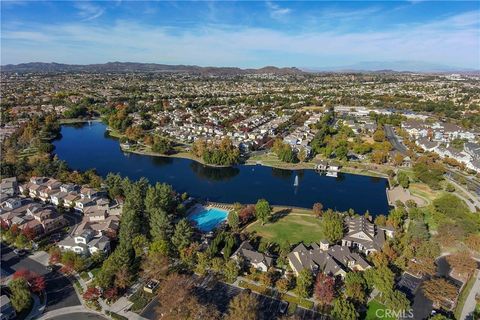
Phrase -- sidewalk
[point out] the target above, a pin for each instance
(470, 303)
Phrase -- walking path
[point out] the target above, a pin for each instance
(470, 303)
(472, 197)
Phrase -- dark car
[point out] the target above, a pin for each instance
(19, 252)
(283, 307)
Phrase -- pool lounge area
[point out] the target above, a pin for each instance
(207, 218)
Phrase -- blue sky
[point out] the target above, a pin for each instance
(241, 33)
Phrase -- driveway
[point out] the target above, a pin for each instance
(60, 291)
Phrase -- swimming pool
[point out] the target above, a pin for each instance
(208, 219)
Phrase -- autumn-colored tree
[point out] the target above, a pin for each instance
(177, 301)
(123, 278)
(110, 294)
(317, 209)
(462, 263)
(155, 266)
(246, 214)
(55, 255)
(29, 233)
(439, 291)
(37, 284)
(23, 274)
(473, 242)
(283, 284)
(422, 266)
(243, 307)
(91, 294)
(324, 289)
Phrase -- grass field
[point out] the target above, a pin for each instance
(292, 227)
(373, 306)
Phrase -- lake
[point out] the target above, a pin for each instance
(87, 146)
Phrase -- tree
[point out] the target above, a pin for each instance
(355, 287)
(403, 179)
(161, 227)
(177, 301)
(231, 270)
(332, 226)
(140, 245)
(283, 284)
(91, 294)
(324, 289)
(396, 300)
(379, 135)
(317, 209)
(123, 278)
(21, 241)
(302, 155)
(379, 156)
(155, 266)
(37, 284)
(439, 291)
(381, 278)
(462, 263)
(243, 307)
(20, 296)
(344, 310)
(182, 236)
(233, 220)
(304, 283)
(263, 210)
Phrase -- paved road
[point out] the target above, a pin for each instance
(392, 137)
(60, 291)
(79, 316)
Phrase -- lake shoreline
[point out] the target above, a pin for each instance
(87, 146)
(185, 155)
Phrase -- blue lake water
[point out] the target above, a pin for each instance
(208, 219)
(89, 146)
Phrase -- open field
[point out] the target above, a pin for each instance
(292, 227)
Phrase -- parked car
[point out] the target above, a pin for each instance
(19, 252)
(283, 307)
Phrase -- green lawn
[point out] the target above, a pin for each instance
(373, 306)
(294, 228)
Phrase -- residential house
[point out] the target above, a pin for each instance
(363, 234)
(247, 254)
(86, 243)
(331, 260)
(9, 186)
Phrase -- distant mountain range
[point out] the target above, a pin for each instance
(392, 66)
(122, 67)
(41, 67)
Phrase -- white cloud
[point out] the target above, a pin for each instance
(89, 11)
(277, 12)
(453, 40)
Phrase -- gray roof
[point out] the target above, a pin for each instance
(246, 251)
(330, 261)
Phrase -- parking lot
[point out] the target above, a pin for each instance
(219, 294)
